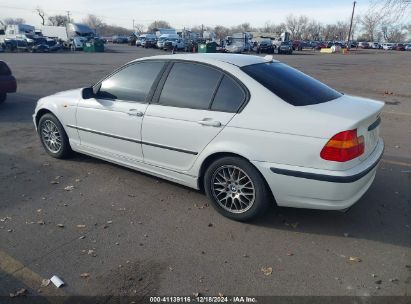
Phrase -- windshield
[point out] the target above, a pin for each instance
(291, 85)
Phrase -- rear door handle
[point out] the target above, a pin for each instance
(209, 122)
(135, 112)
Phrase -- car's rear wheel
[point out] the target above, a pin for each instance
(236, 188)
(53, 137)
(3, 97)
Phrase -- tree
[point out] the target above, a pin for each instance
(392, 10)
(42, 15)
(110, 30)
(221, 31)
(370, 23)
(93, 22)
(139, 28)
(273, 28)
(246, 27)
(58, 20)
(9, 21)
(313, 31)
(158, 24)
(296, 25)
(393, 33)
(337, 31)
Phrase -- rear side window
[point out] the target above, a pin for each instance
(229, 97)
(133, 83)
(190, 85)
(291, 85)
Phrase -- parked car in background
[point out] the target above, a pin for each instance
(399, 47)
(132, 39)
(408, 47)
(107, 39)
(320, 45)
(8, 83)
(363, 45)
(388, 46)
(237, 46)
(149, 42)
(285, 48)
(163, 38)
(142, 38)
(40, 48)
(120, 39)
(265, 46)
(174, 44)
(375, 45)
(248, 130)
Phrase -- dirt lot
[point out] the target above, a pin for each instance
(144, 236)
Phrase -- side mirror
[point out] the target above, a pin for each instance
(88, 93)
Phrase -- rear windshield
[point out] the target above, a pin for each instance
(291, 85)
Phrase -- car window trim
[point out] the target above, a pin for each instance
(215, 91)
(159, 90)
(153, 86)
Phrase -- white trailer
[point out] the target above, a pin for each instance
(56, 32)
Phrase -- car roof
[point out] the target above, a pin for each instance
(214, 58)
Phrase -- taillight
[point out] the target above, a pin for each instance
(343, 146)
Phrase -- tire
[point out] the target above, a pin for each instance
(3, 97)
(59, 146)
(227, 198)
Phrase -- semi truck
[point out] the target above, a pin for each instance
(72, 36)
(17, 32)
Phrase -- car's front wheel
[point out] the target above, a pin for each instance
(236, 188)
(53, 137)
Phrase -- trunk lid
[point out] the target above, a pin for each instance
(357, 113)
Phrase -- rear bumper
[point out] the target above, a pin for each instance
(8, 84)
(320, 189)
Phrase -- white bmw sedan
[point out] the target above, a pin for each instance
(249, 131)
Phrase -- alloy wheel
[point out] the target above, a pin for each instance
(233, 189)
(50, 136)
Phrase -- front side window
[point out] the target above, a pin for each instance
(190, 85)
(133, 83)
(291, 85)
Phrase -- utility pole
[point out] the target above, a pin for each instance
(68, 16)
(133, 25)
(349, 32)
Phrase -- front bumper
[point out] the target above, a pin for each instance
(320, 189)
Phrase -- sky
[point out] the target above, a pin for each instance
(184, 13)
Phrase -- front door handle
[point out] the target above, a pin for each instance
(135, 112)
(209, 122)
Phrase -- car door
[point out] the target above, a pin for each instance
(110, 123)
(191, 106)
